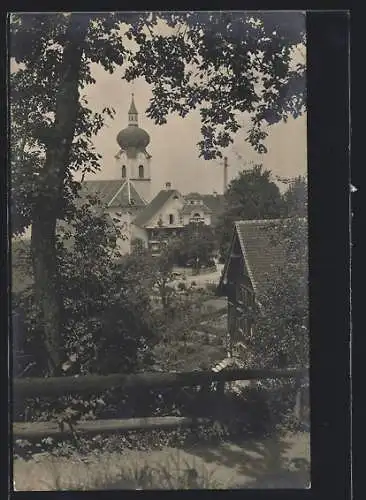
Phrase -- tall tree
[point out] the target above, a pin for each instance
(227, 63)
(252, 195)
(295, 200)
(52, 129)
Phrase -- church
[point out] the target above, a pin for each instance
(128, 199)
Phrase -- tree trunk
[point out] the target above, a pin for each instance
(48, 205)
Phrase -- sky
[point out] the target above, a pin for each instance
(173, 146)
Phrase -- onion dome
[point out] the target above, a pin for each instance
(133, 139)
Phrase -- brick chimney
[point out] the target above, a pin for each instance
(168, 185)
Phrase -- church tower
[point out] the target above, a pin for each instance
(133, 160)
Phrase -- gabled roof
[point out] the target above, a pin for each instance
(154, 206)
(188, 209)
(113, 193)
(263, 256)
(213, 201)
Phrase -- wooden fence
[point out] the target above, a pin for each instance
(93, 384)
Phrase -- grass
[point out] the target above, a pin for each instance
(278, 461)
(169, 470)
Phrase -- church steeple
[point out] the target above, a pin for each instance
(133, 114)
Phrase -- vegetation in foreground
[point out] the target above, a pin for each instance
(277, 461)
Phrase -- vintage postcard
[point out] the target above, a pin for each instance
(159, 248)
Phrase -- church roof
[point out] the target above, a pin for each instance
(113, 193)
(133, 110)
(154, 206)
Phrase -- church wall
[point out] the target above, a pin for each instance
(142, 185)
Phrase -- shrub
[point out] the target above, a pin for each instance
(108, 321)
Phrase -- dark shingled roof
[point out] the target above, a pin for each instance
(188, 209)
(263, 257)
(212, 201)
(154, 206)
(114, 190)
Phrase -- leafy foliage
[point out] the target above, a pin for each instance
(195, 246)
(106, 300)
(251, 195)
(283, 325)
(226, 63)
(52, 127)
(295, 198)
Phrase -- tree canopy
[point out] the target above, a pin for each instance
(224, 62)
(195, 246)
(227, 63)
(251, 195)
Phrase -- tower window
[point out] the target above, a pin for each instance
(123, 171)
(141, 171)
(171, 219)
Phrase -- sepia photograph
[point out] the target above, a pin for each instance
(159, 250)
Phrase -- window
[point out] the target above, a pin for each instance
(123, 171)
(195, 218)
(171, 219)
(141, 171)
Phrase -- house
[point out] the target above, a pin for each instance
(168, 213)
(160, 219)
(253, 262)
(211, 204)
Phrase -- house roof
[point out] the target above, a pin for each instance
(212, 201)
(263, 257)
(154, 206)
(113, 193)
(189, 209)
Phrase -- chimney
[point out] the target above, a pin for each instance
(225, 173)
(168, 185)
(215, 194)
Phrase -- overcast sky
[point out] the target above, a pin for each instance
(173, 146)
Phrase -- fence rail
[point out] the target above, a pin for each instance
(91, 384)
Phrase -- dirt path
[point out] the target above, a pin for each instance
(256, 463)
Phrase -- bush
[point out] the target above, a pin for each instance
(108, 322)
